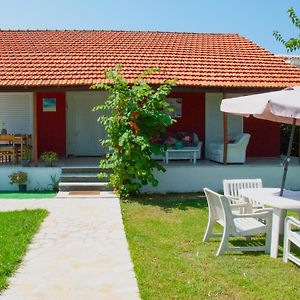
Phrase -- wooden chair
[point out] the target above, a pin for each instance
(247, 225)
(291, 237)
(231, 189)
(8, 149)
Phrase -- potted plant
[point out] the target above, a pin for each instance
(26, 157)
(54, 183)
(49, 157)
(19, 178)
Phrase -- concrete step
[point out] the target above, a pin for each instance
(81, 177)
(90, 170)
(84, 186)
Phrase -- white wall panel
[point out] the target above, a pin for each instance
(214, 119)
(16, 111)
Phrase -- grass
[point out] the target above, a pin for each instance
(27, 195)
(171, 261)
(16, 231)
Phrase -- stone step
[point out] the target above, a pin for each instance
(84, 186)
(94, 170)
(81, 177)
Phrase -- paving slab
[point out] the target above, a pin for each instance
(80, 252)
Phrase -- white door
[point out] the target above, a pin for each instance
(84, 132)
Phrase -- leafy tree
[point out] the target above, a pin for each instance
(293, 43)
(138, 113)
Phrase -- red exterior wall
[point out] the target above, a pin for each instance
(52, 125)
(265, 137)
(193, 114)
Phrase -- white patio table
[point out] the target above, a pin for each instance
(270, 196)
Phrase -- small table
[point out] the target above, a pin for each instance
(192, 152)
(270, 196)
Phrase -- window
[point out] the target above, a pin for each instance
(176, 105)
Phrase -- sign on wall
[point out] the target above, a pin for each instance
(49, 104)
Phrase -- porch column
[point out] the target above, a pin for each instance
(225, 134)
(35, 145)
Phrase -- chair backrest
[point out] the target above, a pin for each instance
(231, 187)
(214, 205)
(242, 138)
(8, 138)
(219, 208)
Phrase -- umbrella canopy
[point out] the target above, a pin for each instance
(281, 106)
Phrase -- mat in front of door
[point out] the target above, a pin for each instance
(84, 193)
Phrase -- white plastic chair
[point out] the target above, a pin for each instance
(291, 237)
(247, 225)
(232, 187)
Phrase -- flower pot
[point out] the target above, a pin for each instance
(22, 188)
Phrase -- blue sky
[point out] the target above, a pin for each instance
(253, 19)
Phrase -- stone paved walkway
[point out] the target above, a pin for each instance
(80, 252)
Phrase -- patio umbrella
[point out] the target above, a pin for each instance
(281, 106)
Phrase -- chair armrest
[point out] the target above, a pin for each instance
(244, 207)
(255, 215)
(292, 221)
(264, 210)
(240, 205)
(234, 199)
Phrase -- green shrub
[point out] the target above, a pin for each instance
(138, 113)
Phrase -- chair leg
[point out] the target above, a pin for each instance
(268, 241)
(209, 229)
(286, 249)
(286, 243)
(224, 243)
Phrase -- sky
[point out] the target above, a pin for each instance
(253, 19)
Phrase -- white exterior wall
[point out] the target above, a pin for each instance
(190, 178)
(179, 178)
(38, 177)
(214, 119)
(16, 111)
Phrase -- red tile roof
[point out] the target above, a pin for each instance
(79, 58)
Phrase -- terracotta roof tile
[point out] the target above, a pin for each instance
(74, 58)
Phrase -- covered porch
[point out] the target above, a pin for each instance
(65, 123)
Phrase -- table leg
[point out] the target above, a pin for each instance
(167, 157)
(275, 231)
(282, 218)
(194, 157)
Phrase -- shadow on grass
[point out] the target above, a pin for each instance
(172, 200)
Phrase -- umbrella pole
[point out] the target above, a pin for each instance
(287, 160)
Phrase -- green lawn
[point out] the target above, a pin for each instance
(27, 195)
(171, 261)
(16, 231)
